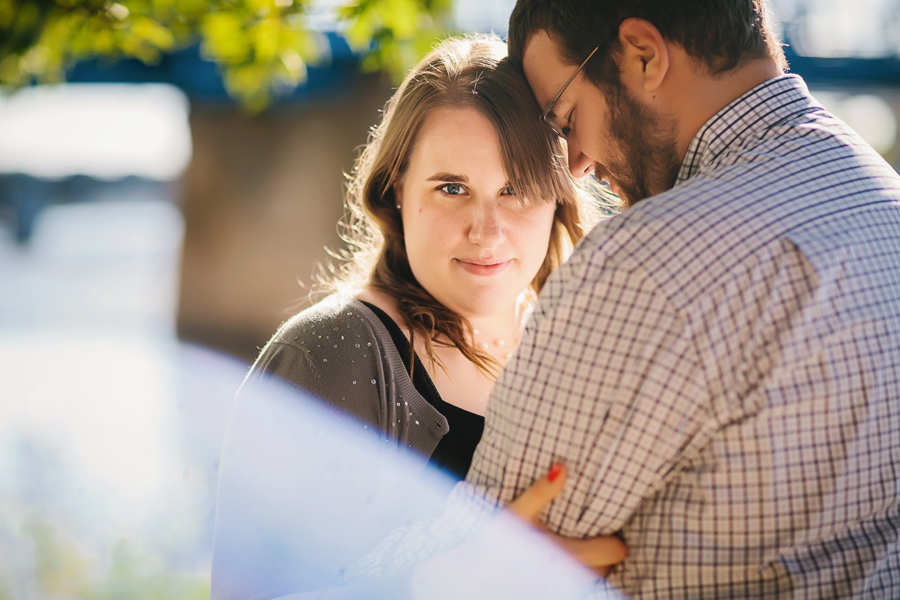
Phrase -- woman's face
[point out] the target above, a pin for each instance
(471, 243)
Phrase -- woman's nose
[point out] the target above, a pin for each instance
(487, 227)
(580, 164)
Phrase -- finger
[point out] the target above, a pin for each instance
(598, 552)
(602, 571)
(533, 500)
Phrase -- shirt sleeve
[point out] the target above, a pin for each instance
(607, 380)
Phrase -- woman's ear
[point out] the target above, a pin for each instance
(645, 61)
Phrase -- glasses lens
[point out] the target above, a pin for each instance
(556, 128)
(552, 126)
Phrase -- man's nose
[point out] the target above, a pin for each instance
(487, 226)
(580, 164)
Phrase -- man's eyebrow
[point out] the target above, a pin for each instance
(449, 177)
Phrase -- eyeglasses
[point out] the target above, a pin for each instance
(562, 132)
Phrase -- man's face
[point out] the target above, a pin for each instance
(609, 132)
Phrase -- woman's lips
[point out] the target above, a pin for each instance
(483, 267)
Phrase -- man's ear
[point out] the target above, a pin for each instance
(645, 60)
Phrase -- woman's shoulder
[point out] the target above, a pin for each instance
(338, 332)
(340, 350)
(332, 350)
(339, 314)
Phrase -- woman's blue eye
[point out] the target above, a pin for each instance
(509, 191)
(454, 189)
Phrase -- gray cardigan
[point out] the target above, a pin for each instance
(340, 351)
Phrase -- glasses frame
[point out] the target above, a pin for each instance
(549, 122)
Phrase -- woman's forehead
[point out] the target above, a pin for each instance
(451, 139)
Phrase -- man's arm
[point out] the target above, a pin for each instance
(606, 380)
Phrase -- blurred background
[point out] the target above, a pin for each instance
(167, 207)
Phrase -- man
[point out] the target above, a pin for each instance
(718, 366)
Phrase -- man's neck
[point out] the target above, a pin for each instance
(705, 95)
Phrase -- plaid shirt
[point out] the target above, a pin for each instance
(719, 367)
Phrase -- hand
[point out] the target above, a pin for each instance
(600, 554)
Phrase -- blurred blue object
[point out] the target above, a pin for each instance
(201, 79)
(845, 71)
(26, 195)
(305, 494)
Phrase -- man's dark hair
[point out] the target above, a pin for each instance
(722, 34)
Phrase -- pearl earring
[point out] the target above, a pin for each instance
(398, 207)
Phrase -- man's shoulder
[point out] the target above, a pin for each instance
(654, 226)
(804, 168)
(691, 237)
(628, 246)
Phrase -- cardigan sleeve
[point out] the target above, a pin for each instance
(340, 352)
(327, 352)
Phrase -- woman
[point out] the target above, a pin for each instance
(461, 206)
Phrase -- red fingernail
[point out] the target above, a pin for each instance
(555, 472)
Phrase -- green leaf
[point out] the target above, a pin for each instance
(266, 36)
(224, 39)
(263, 46)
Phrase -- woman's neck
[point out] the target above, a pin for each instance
(385, 302)
(460, 382)
(498, 334)
(505, 325)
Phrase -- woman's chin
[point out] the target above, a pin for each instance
(479, 304)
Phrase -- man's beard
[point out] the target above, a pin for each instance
(646, 142)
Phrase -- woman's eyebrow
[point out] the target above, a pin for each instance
(449, 177)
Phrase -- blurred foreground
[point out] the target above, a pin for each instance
(110, 429)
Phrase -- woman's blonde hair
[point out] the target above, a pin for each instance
(462, 72)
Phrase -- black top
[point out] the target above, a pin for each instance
(453, 453)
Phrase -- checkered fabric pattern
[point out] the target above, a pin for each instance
(719, 367)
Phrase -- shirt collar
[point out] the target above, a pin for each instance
(766, 104)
